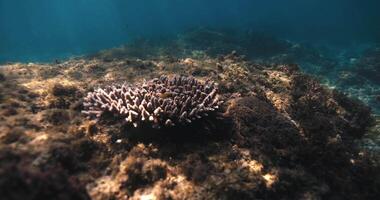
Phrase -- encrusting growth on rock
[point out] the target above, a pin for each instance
(166, 101)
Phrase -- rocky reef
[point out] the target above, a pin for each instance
(359, 77)
(281, 134)
(368, 64)
(349, 69)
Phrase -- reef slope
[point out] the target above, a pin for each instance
(280, 134)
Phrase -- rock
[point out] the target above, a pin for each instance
(19, 183)
(10, 111)
(2, 77)
(61, 90)
(56, 116)
(12, 136)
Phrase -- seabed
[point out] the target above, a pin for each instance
(282, 134)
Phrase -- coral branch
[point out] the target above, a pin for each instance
(165, 101)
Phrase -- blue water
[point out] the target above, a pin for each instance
(43, 30)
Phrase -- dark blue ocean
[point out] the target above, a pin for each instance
(44, 30)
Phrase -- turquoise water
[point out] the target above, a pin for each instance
(44, 30)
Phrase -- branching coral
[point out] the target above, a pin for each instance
(161, 102)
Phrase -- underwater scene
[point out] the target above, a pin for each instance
(199, 99)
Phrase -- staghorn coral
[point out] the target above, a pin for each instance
(160, 102)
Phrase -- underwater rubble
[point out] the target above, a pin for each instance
(279, 134)
(362, 78)
(369, 64)
(354, 73)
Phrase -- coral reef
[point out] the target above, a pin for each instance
(291, 137)
(165, 101)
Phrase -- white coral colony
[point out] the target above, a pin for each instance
(165, 101)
